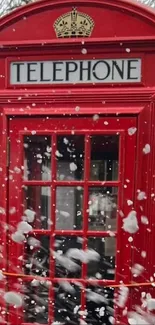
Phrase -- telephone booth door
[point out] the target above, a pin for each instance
(70, 180)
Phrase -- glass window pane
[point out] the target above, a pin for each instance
(104, 157)
(37, 157)
(37, 204)
(69, 207)
(70, 157)
(67, 303)
(36, 257)
(36, 302)
(98, 311)
(102, 208)
(66, 265)
(105, 267)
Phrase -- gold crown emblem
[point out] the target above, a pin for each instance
(74, 24)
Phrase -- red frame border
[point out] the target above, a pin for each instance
(75, 56)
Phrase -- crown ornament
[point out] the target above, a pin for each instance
(73, 24)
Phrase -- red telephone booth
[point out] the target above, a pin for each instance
(77, 162)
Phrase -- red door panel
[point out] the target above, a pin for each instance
(69, 180)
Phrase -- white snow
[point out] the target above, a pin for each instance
(84, 51)
(122, 296)
(102, 311)
(82, 322)
(136, 319)
(13, 298)
(64, 214)
(67, 286)
(18, 237)
(143, 254)
(77, 108)
(132, 321)
(83, 256)
(65, 140)
(129, 202)
(83, 312)
(48, 149)
(76, 308)
(98, 275)
(12, 210)
(95, 117)
(151, 304)
(33, 132)
(33, 242)
(73, 166)
(146, 149)
(30, 215)
(144, 220)
(24, 227)
(2, 210)
(2, 276)
(17, 170)
(92, 255)
(35, 283)
(137, 269)
(130, 223)
(94, 296)
(58, 154)
(66, 262)
(132, 130)
(141, 196)
(112, 320)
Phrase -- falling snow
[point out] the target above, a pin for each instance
(137, 269)
(24, 227)
(13, 298)
(130, 223)
(30, 215)
(146, 149)
(141, 196)
(151, 304)
(73, 166)
(18, 237)
(132, 130)
(122, 297)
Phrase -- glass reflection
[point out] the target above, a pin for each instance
(105, 267)
(38, 200)
(67, 266)
(104, 157)
(99, 305)
(37, 157)
(102, 208)
(67, 303)
(36, 302)
(69, 206)
(70, 157)
(36, 258)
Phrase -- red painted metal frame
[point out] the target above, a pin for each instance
(117, 100)
(53, 127)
